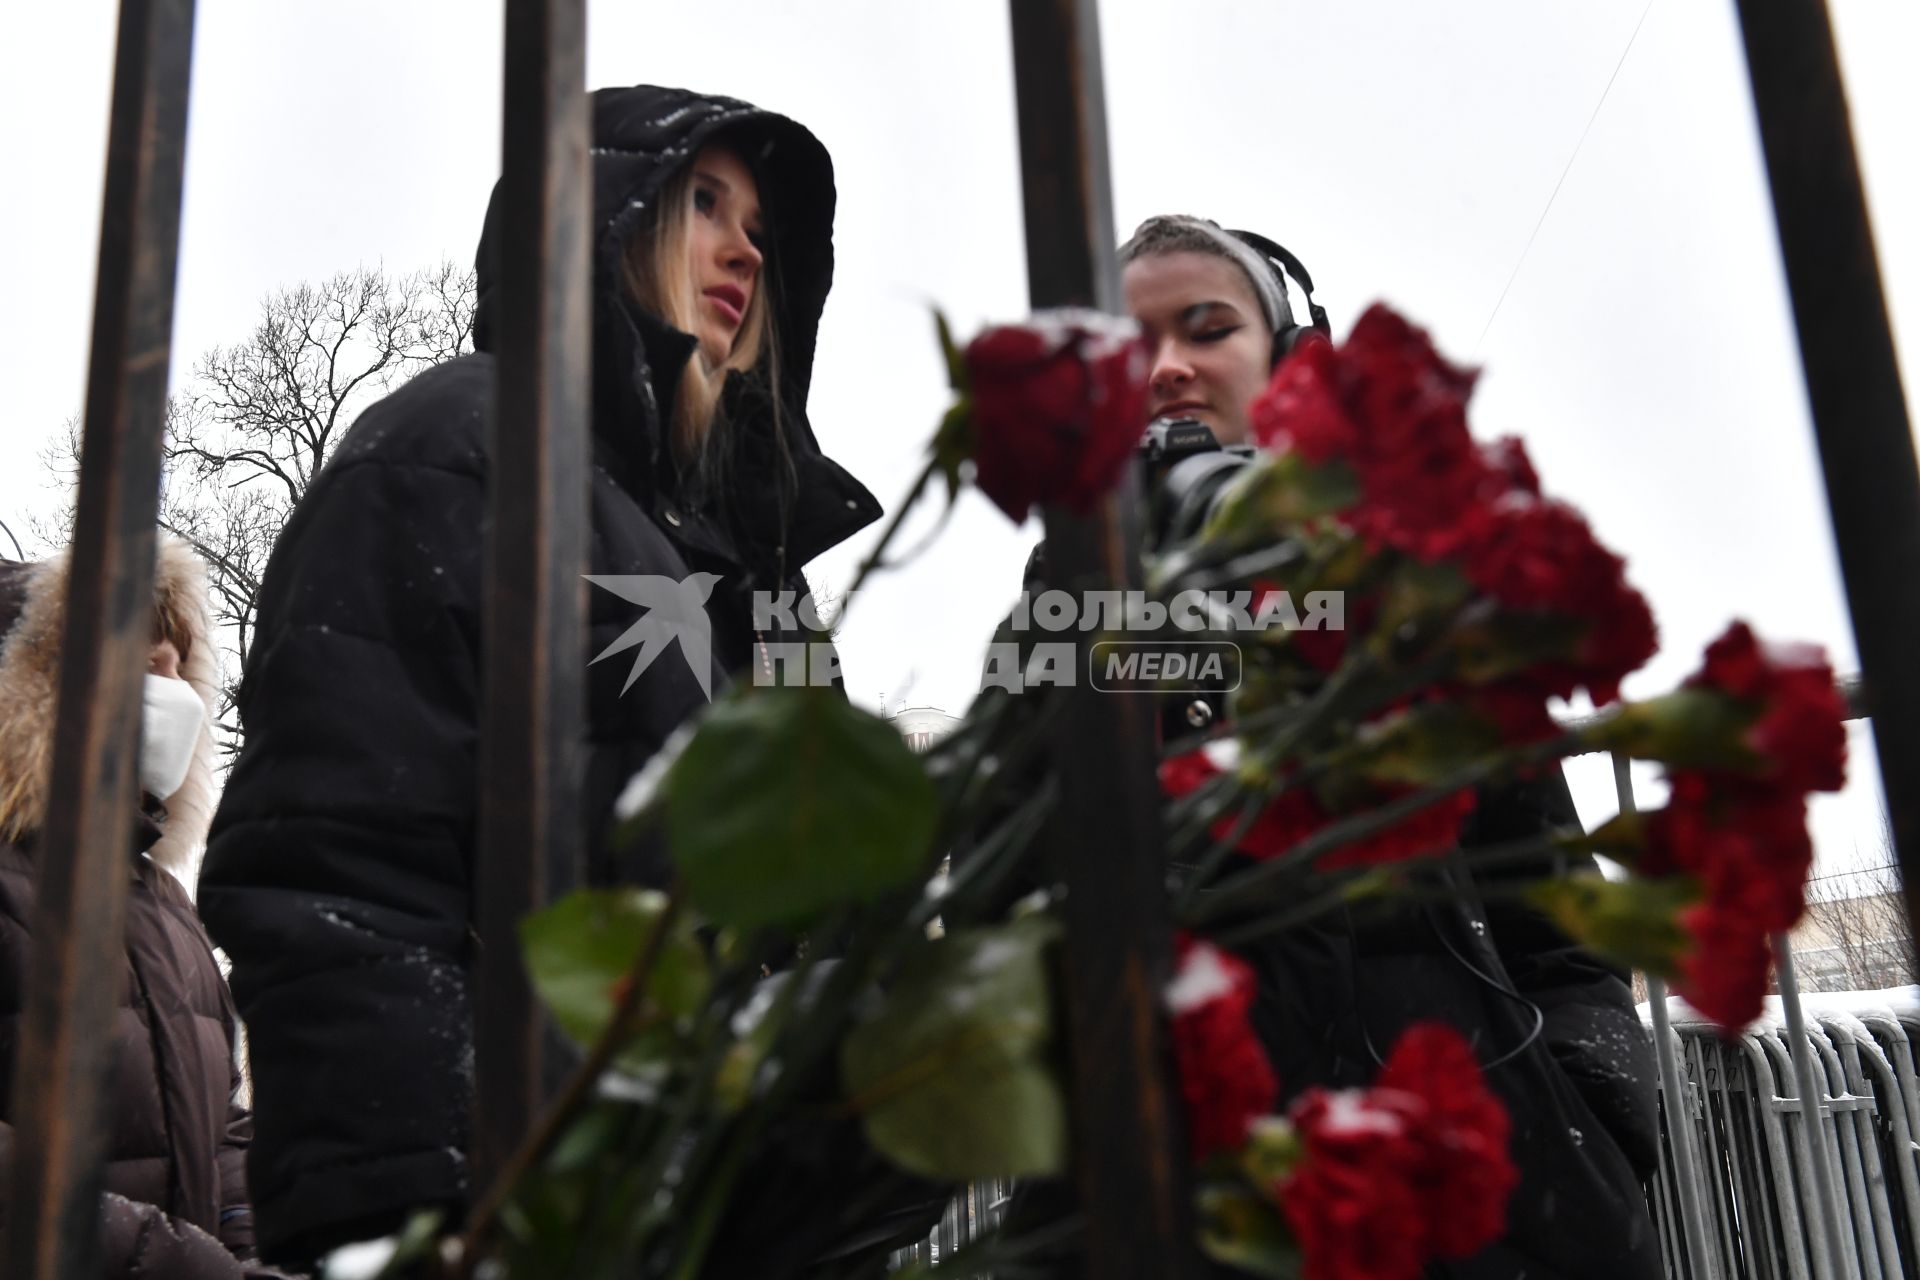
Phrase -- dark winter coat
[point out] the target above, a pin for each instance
(176, 1139)
(1580, 1093)
(338, 874)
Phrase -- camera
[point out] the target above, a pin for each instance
(1184, 470)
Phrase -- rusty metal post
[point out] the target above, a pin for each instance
(529, 845)
(1128, 1132)
(79, 922)
(1853, 380)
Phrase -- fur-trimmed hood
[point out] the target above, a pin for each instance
(33, 617)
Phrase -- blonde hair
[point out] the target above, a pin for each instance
(659, 275)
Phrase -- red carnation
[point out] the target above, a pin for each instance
(1538, 555)
(1390, 407)
(1724, 974)
(1518, 707)
(1301, 408)
(1413, 1169)
(1509, 468)
(1352, 1202)
(1800, 731)
(1428, 832)
(1294, 815)
(1224, 1073)
(1059, 405)
(1466, 1176)
(1745, 842)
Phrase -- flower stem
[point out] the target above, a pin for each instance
(575, 1095)
(1360, 826)
(874, 557)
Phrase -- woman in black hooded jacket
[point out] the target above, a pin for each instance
(337, 875)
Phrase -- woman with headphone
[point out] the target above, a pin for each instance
(1554, 1027)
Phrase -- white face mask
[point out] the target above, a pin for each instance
(172, 715)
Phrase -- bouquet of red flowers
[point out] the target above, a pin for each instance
(1451, 600)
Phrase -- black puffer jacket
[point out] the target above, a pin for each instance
(176, 1136)
(1580, 1091)
(338, 873)
(1554, 1027)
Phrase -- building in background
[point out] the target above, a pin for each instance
(922, 726)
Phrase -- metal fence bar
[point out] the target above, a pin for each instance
(1679, 1123)
(1117, 950)
(529, 823)
(1765, 1236)
(1851, 1180)
(79, 921)
(1853, 378)
(1829, 1240)
(1873, 1192)
(1786, 1195)
(1719, 1172)
(1899, 1091)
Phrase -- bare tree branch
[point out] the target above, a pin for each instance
(258, 421)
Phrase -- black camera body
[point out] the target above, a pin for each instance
(1183, 471)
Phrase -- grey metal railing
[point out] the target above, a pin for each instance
(1762, 1146)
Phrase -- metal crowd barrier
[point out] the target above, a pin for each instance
(973, 1213)
(1753, 1137)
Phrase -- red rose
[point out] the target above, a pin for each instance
(1466, 1176)
(1059, 405)
(1225, 1076)
(1800, 732)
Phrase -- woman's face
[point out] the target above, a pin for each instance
(1212, 351)
(727, 232)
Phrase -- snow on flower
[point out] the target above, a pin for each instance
(1225, 1076)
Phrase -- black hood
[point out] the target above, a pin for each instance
(642, 136)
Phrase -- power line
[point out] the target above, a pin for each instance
(1858, 871)
(1515, 273)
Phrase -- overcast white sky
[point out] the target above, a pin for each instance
(1405, 150)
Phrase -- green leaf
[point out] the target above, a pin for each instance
(953, 1077)
(1244, 1231)
(953, 444)
(1416, 592)
(1634, 921)
(1272, 1151)
(579, 950)
(1493, 645)
(790, 802)
(951, 352)
(1688, 729)
(1422, 747)
(1277, 493)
